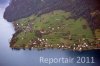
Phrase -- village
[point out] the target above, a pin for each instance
(53, 30)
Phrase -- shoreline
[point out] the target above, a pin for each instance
(49, 46)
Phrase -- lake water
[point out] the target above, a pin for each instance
(9, 57)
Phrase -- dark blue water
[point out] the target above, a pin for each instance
(9, 57)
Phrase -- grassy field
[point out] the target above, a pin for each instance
(52, 28)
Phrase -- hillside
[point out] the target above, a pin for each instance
(53, 30)
(67, 24)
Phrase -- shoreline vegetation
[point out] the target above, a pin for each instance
(56, 29)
